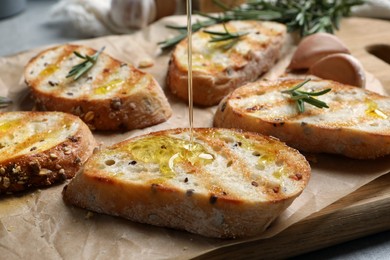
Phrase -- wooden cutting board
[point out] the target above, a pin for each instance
(365, 211)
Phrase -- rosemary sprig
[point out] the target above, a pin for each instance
(80, 69)
(302, 96)
(230, 38)
(305, 16)
(4, 102)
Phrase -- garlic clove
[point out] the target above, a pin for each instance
(340, 67)
(314, 47)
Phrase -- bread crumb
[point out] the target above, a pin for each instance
(146, 63)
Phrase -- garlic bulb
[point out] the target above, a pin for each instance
(133, 13)
(137, 14)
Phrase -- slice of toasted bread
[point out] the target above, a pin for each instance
(111, 95)
(216, 70)
(356, 124)
(41, 148)
(229, 184)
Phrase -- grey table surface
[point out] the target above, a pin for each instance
(32, 28)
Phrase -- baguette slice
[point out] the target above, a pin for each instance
(356, 124)
(40, 148)
(217, 71)
(231, 184)
(111, 95)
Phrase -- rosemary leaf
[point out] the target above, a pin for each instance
(304, 16)
(80, 69)
(303, 96)
(230, 38)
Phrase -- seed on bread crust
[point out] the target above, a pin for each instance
(32, 159)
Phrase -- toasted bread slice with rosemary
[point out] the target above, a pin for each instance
(40, 148)
(220, 67)
(227, 183)
(111, 95)
(356, 124)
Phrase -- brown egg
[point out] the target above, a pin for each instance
(340, 67)
(314, 47)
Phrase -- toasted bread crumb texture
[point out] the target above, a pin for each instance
(40, 148)
(356, 124)
(112, 94)
(228, 184)
(218, 70)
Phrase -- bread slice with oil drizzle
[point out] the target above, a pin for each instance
(356, 124)
(40, 148)
(218, 68)
(112, 95)
(226, 184)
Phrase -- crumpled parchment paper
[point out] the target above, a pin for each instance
(38, 225)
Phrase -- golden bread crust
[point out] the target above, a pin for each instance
(225, 197)
(30, 162)
(111, 96)
(356, 124)
(245, 62)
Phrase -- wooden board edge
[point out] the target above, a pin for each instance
(338, 223)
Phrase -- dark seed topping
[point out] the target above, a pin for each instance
(256, 153)
(255, 184)
(77, 160)
(255, 108)
(33, 148)
(237, 144)
(189, 192)
(186, 179)
(163, 147)
(69, 93)
(73, 138)
(223, 107)
(154, 187)
(213, 199)
(116, 104)
(51, 83)
(132, 163)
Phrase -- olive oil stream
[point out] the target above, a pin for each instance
(189, 76)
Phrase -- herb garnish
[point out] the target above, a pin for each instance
(78, 70)
(4, 102)
(301, 96)
(230, 38)
(305, 16)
